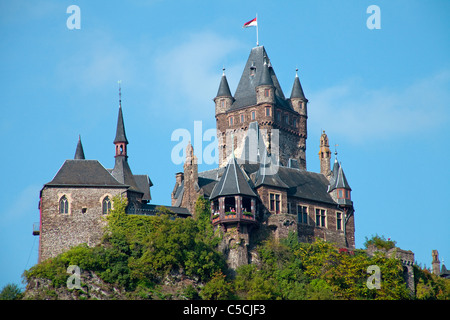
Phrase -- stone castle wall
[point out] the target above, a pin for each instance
(83, 224)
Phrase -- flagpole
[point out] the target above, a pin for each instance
(257, 42)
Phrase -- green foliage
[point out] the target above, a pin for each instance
(10, 291)
(217, 288)
(379, 242)
(430, 286)
(138, 252)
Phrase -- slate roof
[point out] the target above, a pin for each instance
(338, 179)
(153, 209)
(120, 131)
(232, 182)
(79, 152)
(122, 173)
(143, 183)
(224, 88)
(245, 94)
(83, 173)
(297, 90)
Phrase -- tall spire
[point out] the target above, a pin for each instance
(79, 153)
(121, 139)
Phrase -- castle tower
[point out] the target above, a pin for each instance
(435, 263)
(324, 156)
(299, 104)
(190, 177)
(259, 98)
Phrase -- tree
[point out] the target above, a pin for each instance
(11, 291)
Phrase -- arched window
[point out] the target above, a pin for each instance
(63, 205)
(106, 205)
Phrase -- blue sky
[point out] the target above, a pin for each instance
(381, 95)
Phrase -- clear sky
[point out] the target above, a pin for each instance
(382, 95)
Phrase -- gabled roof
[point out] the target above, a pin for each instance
(143, 183)
(122, 173)
(83, 173)
(120, 131)
(232, 182)
(245, 94)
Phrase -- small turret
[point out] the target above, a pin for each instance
(223, 99)
(298, 100)
(79, 153)
(265, 91)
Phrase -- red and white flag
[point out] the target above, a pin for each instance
(251, 23)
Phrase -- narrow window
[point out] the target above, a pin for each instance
(266, 93)
(340, 195)
(267, 111)
(320, 218)
(222, 103)
(339, 220)
(289, 207)
(63, 205)
(302, 213)
(275, 202)
(253, 115)
(106, 205)
(242, 118)
(231, 121)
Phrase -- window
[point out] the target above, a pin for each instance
(286, 119)
(340, 194)
(295, 123)
(347, 194)
(338, 220)
(302, 214)
(222, 103)
(278, 115)
(266, 93)
(253, 115)
(275, 201)
(106, 205)
(242, 118)
(268, 112)
(320, 218)
(231, 121)
(64, 205)
(289, 208)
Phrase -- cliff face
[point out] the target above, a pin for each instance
(92, 287)
(175, 286)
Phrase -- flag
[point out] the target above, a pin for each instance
(251, 23)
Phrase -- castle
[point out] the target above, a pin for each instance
(261, 183)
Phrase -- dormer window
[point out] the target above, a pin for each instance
(252, 69)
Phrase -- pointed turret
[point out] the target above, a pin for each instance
(79, 153)
(223, 98)
(339, 188)
(265, 91)
(298, 99)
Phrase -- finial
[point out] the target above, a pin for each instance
(296, 72)
(120, 93)
(223, 71)
(335, 150)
